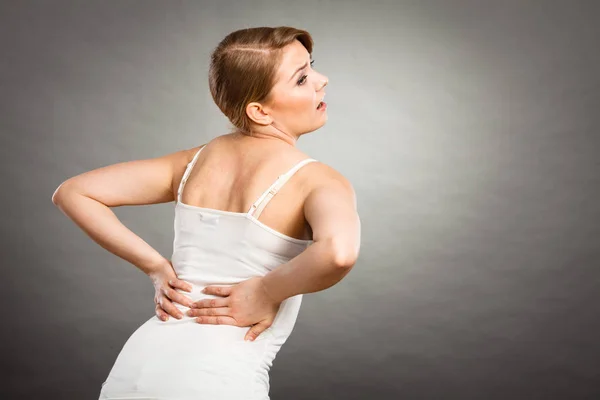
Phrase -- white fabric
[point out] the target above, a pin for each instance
(182, 359)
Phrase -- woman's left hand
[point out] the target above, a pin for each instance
(244, 304)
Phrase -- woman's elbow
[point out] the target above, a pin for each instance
(59, 193)
(345, 255)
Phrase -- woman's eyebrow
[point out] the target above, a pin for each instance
(298, 70)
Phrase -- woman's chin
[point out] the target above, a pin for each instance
(317, 127)
(324, 121)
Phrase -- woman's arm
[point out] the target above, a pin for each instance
(330, 209)
(87, 199)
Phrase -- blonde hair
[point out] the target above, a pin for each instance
(243, 68)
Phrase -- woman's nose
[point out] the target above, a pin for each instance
(324, 82)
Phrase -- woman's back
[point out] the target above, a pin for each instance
(232, 172)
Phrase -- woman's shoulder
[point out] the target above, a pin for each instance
(319, 174)
(187, 155)
(326, 175)
(315, 174)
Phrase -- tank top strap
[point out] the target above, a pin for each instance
(259, 205)
(187, 172)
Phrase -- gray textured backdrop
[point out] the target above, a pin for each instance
(468, 128)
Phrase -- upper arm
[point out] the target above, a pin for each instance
(330, 210)
(138, 182)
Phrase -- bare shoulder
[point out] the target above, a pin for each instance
(327, 174)
(322, 176)
(180, 161)
(187, 155)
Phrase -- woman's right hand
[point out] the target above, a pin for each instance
(165, 282)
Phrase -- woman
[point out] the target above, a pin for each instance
(253, 248)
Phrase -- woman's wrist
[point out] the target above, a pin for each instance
(270, 295)
(156, 267)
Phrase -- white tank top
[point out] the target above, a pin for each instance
(216, 247)
(182, 359)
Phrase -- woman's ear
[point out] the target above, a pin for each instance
(257, 113)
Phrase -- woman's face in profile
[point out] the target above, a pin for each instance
(297, 92)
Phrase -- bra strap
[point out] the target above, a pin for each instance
(187, 172)
(260, 204)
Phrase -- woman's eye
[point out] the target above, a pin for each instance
(302, 80)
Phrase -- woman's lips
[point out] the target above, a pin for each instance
(322, 106)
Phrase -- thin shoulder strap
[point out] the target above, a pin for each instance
(186, 174)
(259, 205)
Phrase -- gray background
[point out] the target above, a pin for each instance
(469, 130)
